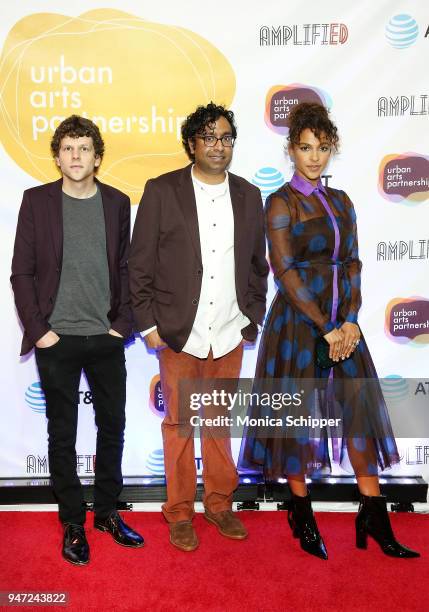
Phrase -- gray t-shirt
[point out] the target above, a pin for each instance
(83, 299)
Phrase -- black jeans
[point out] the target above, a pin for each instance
(103, 361)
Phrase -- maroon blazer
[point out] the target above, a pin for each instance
(38, 251)
(165, 263)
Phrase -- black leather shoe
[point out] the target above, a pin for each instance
(303, 524)
(121, 533)
(75, 545)
(373, 519)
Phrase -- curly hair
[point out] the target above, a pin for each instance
(204, 116)
(315, 117)
(76, 127)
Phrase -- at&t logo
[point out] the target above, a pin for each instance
(268, 180)
(402, 31)
(35, 398)
(155, 462)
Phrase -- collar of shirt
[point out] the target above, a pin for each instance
(305, 187)
(217, 190)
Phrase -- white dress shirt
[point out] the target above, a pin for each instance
(219, 321)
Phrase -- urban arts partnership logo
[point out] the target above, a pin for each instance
(407, 320)
(268, 180)
(156, 401)
(402, 31)
(280, 99)
(99, 65)
(404, 178)
(304, 34)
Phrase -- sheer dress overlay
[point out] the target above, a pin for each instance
(313, 250)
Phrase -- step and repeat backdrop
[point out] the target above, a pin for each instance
(137, 72)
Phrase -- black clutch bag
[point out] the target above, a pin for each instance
(322, 355)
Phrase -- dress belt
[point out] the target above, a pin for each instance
(307, 264)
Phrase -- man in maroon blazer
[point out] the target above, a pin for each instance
(198, 286)
(70, 280)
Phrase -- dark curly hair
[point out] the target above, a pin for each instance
(204, 116)
(76, 127)
(315, 117)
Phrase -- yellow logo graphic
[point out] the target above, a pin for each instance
(135, 79)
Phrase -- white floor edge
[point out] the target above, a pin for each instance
(156, 507)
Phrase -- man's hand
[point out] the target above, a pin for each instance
(351, 338)
(154, 341)
(49, 339)
(112, 332)
(335, 339)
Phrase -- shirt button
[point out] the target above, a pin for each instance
(211, 303)
(212, 277)
(199, 272)
(213, 251)
(214, 224)
(194, 301)
(209, 328)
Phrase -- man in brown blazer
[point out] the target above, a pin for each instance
(198, 280)
(70, 280)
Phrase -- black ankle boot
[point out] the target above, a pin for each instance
(373, 519)
(303, 524)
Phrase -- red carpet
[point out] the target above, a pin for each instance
(266, 572)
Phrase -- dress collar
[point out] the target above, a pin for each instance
(305, 187)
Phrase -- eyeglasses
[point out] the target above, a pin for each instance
(211, 141)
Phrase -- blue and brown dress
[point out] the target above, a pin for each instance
(313, 248)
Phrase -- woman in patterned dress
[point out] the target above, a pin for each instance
(312, 241)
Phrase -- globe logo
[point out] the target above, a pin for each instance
(268, 180)
(394, 387)
(35, 398)
(402, 31)
(155, 462)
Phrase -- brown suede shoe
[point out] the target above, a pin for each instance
(183, 536)
(227, 523)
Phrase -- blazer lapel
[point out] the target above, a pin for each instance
(186, 195)
(110, 222)
(55, 215)
(238, 202)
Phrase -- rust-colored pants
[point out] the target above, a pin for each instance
(219, 471)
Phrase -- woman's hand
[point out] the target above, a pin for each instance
(351, 333)
(335, 339)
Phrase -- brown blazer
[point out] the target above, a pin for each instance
(37, 258)
(165, 259)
